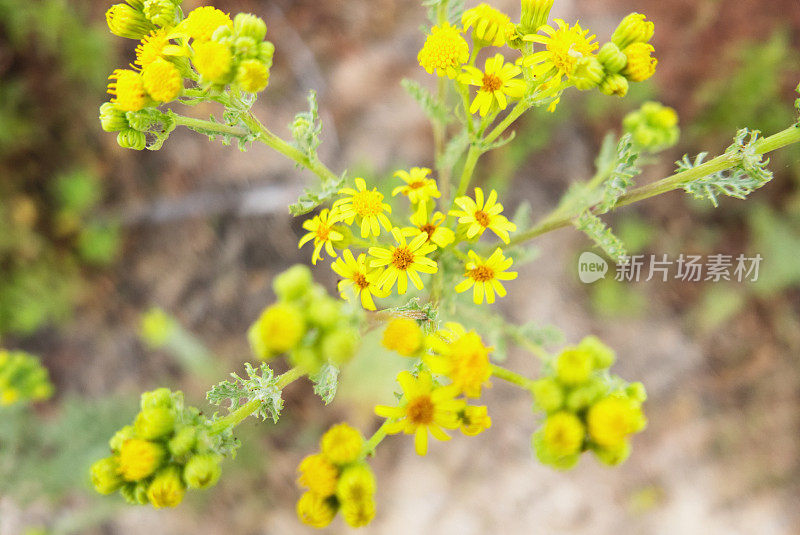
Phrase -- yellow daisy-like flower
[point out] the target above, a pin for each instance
(151, 48)
(367, 206)
(425, 407)
(321, 229)
(315, 510)
(213, 60)
(432, 227)
(162, 80)
(444, 51)
(564, 46)
(202, 22)
(496, 82)
(474, 420)
(403, 336)
(358, 280)
(613, 418)
(462, 357)
(318, 475)
(563, 434)
(403, 262)
(341, 444)
(489, 25)
(127, 90)
(419, 188)
(139, 458)
(480, 215)
(484, 276)
(641, 65)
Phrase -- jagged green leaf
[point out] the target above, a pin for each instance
(326, 382)
(260, 384)
(307, 127)
(621, 175)
(602, 236)
(311, 198)
(429, 104)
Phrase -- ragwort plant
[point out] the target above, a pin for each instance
(403, 270)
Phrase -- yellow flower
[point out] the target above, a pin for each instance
(574, 365)
(252, 75)
(279, 329)
(489, 25)
(358, 280)
(441, 236)
(613, 418)
(318, 475)
(563, 434)
(425, 407)
(166, 489)
(139, 458)
(484, 276)
(419, 188)
(151, 48)
(356, 484)
(633, 29)
(315, 510)
(495, 83)
(358, 514)
(563, 48)
(202, 22)
(127, 90)
(403, 262)
(444, 51)
(462, 357)
(213, 60)
(126, 21)
(404, 336)
(367, 206)
(480, 216)
(474, 420)
(321, 230)
(641, 65)
(162, 80)
(342, 444)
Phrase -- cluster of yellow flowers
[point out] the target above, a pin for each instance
(569, 58)
(207, 47)
(586, 408)
(338, 479)
(376, 272)
(22, 378)
(167, 449)
(307, 324)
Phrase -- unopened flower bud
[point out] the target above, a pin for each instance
(548, 394)
(112, 119)
(614, 84)
(167, 488)
(265, 52)
(293, 283)
(588, 73)
(341, 444)
(574, 365)
(247, 25)
(182, 442)
(641, 65)
(633, 29)
(612, 58)
(132, 139)
(534, 15)
(160, 397)
(135, 493)
(161, 12)
(105, 475)
(120, 437)
(602, 354)
(339, 346)
(278, 330)
(252, 76)
(246, 47)
(325, 312)
(154, 423)
(125, 20)
(202, 471)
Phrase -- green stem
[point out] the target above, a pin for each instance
(498, 130)
(513, 377)
(469, 168)
(376, 438)
(725, 161)
(236, 417)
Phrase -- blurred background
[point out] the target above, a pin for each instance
(93, 236)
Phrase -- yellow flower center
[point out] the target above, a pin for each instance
(491, 83)
(416, 184)
(482, 273)
(368, 203)
(402, 258)
(360, 280)
(323, 232)
(428, 228)
(420, 410)
(482, 218)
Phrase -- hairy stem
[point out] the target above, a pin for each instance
(512, 377)
(376, 438)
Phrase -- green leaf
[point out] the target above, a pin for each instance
(429, 104)
(310, 198)
(261, 384)
(307, 127)
(454, 150)
(621, 176)
(601, 235)
(326, 382)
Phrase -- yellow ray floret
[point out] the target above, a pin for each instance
(425, 408)
(479, 215)
(432, 227)
(444, 51)
(127, 90)
(404, 261)
(357, 280)
(488, 23)
(366, 206)
(151, 48)
(496, 83)
(321, 229)
(418, 188)
(484, 276)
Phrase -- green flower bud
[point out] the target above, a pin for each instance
(340, 346)
(154, 423)
(306, 359)
(223, 34)
(612, 58)
(636, 392)
(135, 493)
(247, 25)
(131, 139)
(136, 4)
(265, 52)
(125, 20)
(602, 354)
(202, 471)
(584, 396)
(293, 283)
(161, 12)
(633, 29)
(588, 73)
(654, 127)
(534, 15)
(112, 119)
(121, 436)
(160, 397)
(613, 456)
(167, 488)
(325, 312)
(574, 365)
(614, 84)
(182, 442)
(548, 394)
(105, 475)
(246, 47)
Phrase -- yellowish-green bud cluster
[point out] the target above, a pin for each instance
(653, 127)
(128, 21)
(306, 323)
(338, 480)
(22, 378)
(586, 408)
(628, 56)
(164, 13)
(167, 449)
(633, 29)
